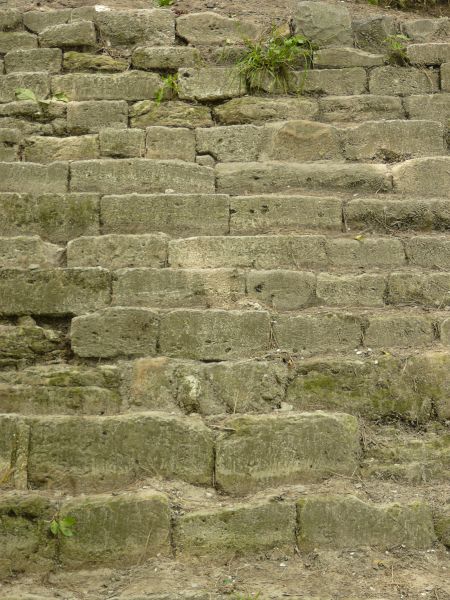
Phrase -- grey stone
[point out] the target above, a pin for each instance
(16, 40)
(423, 176)
(323, 24)
(37, 20)
(122, 143)
(403, 81)
(258, 110)
(173, 57)
(46, 149)
(371, 33)
(232, 143)
(350, 109)
(282, 290)
(169, 114)
(340, 58)
(93, 116)
(429, 106)
(427, 30)
(163, 143)
(37, 82)
(209, 28)
(29, 177)
(209, 83)
(39, 59)
(25, 251)
(131, 27)
(429, 54)
(131, 85)
(68, 35)
(10, 19)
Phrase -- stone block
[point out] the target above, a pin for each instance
(403, 81)
(342, 82)
(176, 214)
(55, 292)
(122, 143)
(114, 530)
(445, 332)
(348, 522)
(262, 451)
(93, 116)
(209, 28)
(131, 85)
(238, 530)
(132, 27)
(323, 24)
(68, 35)
(139, 175)
(434, 53)
(425, 289)
(445, 77)
(82, 61)
(29, 177)
(115, 332)
(429, 252)
(10, 19)
(38, 59)
(341, 58)
(282, 290)
(370, 252)
(214, 334)
(351, 109)
(24, 252)
(16, 40)
(118, 251)
(169, 114)
(371, 32)
(300, 141)
(46, 149)
(28, 343)
(427, 30)
(100, 453)
(308, 334)
(163, 143)
(434, 106)
(37, 20)
(272, 214)
(178, 288)
(37, 82)
(393, 140)
(442, 527)
(209, 84)
(423, 176)
(351, 290)
(232, 143)
(257, 252)
(399, 331)
(159, 58)
(55, 217)
(272, 177)
(258, 110)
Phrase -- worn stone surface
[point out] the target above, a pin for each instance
(131, 85)
(117, 251)
(399, 331)
(23, 252)
(163, 143)
(122, 143)
(232, 143)
(429, 252)
(173, 57)
(429, 54)
(351, 290)
(425, 289)
(257, 110)
(263, 451)
(209, 28)
(214, 334)
(93, 116)
(82, 61)
(175, 214)
(427, 30)
(28, 177)
(178, 288)
(323, 24)
(9, 19)
(300, 141)
(27, 343)
(169, 114)
(130, 27)
(40, 149)
(68, 35)
(403, 81)
(342, 82)
(54, 217)
(370, 252)
(209, 83)
(16, 40)
(113, 530)
(53, 292)
(39, 59)
(346, 57)
(236, 531)
(140, 176)
(371, 32)
(101, 453)
(434, 106)
(445, 77)
(37, 20)
(282, 290)
(445, 332)
(348, 522)
(37, 82)
(114, 332)
(348, 109)
(423, 176)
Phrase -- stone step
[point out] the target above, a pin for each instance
(79, 454)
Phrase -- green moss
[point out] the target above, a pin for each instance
(78, 61)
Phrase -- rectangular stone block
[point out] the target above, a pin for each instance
(348, 522)
(53, 292)
(258, 110)
(8, 432)
(139, 175)
(30, 177)
(132, 85)
(114, 530)
(432, 53)
(310, 333)
(267, 178)
(445, 77)
(351, 109)
(92, 117)
(39, 59)
(164, 143)
(365, 252)
(257, 252)
(209, 84)
(271, 214)
(159, 58)
(40, 149)
(341, 58)
(178, 288)
(232, 143)
(115, 332)
(268, 450)
(282, 290)
(169, 114)
(10, 19)
(393, 140)
(26, 342)
(55, 217)
(351, 290)
(423, 177)
(100, 453)
(68, 35)
(37, 21)
(235, 531)
(37, 82)
(300, 141)
(323, 24)
(176, 214)
(214, 334)
(399, 331)
(342, 82)
(209, 28)
(429, 106)
(430, 252)
(28, 251)
(122, 143)
(130, 27)
(425, 289)
(15, 40)
(426, 29)
(403, 81)
(118, 251)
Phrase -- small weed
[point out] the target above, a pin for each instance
(27, 94)
(273, 60)
(396, 50)
(169, 87)
(63, 527)
(165, 2)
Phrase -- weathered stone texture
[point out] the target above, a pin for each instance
(131, 85)
(40, 149)
(40, 59)
(29, 177)
(323, 24)
(254, 110)
(78, 33)
(130, 27)
(210, 83)
(93, 116)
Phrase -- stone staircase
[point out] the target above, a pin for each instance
(240, 296)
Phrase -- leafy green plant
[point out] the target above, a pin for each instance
(396, 50)
(169, 88)
(63, 527)
(27, 94)
(165, 2)
(272, 60)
